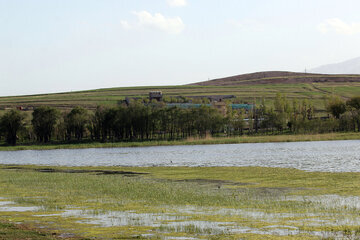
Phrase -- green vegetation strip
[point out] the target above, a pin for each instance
(12, 232)
(201, 202)
(193, 141)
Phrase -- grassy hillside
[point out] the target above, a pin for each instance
(275, 77)
(313, 90)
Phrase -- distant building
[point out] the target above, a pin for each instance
(245, 106)
(213, 98)
(157, 95)
(216, 101)
(220, 98)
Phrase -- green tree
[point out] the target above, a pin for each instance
(76, 122)
(282, 112)
(354, 102)
(44, 120)
(336, 106)
(96, 123)
(354, 106)
(237, 121)
(10, 124)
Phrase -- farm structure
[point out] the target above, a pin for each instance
(218, 105)
(157, 95)
(216, 101)
(212, 98)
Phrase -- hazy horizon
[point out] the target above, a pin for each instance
(61, 46)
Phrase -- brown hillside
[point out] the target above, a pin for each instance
(278, 77)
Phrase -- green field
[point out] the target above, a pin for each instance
(16, 232)
(183, 202)
(314, 92)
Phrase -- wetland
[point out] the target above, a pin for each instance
(305, 191)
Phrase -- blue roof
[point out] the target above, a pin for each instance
(242, 106)
(195, 105)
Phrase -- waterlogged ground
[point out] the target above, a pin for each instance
(181, 202)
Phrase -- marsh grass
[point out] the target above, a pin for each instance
(251, 197)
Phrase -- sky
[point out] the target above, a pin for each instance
(68, 45)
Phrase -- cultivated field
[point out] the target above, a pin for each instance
(315, 89)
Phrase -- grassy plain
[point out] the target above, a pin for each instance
(314, 92)
(178, 202)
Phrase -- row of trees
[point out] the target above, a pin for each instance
(299, 117)
(149, 122)
(124, 123)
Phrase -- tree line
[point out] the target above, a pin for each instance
(140, 122)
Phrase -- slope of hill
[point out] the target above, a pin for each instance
(351, 66)
(278, 77)
(247, 88)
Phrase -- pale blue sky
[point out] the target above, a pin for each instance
(64, 45)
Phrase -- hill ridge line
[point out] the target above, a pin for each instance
(273, 77)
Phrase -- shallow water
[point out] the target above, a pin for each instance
(329, 156)
(122, 218)
(177, 222)
(9, 206)
(192, 219)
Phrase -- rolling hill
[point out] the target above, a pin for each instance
(248, 88)
(278, 77)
